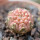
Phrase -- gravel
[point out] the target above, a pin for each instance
(34, 34)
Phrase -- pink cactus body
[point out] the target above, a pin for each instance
(20, 20)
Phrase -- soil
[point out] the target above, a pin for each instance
(7, 34)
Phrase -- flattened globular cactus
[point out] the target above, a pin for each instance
(20, 20)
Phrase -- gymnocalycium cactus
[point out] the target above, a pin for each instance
(20, 21)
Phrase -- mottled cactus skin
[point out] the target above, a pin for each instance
(20, 21)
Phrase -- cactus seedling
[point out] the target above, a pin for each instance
(19, 20)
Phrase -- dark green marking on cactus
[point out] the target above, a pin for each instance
(8, 19)
(23, 30)
(13, 26)
(31, 25)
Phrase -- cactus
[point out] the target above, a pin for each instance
(20, 20)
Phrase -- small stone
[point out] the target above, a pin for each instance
(20, 38)
(36, 35)
(30, 38)
(37, 38)
(0, 35)
(38, 25)
(7, 31)
(34, 11)
(39, 28)
(33, 31)
(2, 25)
(0, 38)
(15, 36)
(11, 38)
(5, 38)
